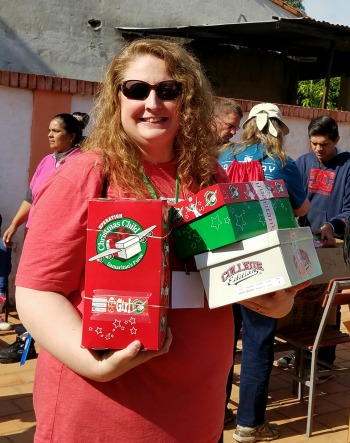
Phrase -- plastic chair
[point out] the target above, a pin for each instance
(306, 343)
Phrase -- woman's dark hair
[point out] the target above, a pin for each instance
(74, 123)
(324, 125)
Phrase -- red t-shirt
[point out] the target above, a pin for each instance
(178, 397)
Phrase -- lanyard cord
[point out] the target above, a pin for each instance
(152, 190)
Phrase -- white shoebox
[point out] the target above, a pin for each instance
(259, 265)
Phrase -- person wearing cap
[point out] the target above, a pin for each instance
(260, 156)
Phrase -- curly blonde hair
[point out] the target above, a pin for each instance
(273, 145)
(196, 136)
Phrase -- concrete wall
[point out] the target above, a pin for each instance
(53, 37)
(24, 119)
(15, 135)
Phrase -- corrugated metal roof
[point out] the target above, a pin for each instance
(296, 37)
(311, 20)
(278, 34)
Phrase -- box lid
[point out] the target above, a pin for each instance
(213, 197)
(250, 245)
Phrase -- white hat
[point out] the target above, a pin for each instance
(263, 113)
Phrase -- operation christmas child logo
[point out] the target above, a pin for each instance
(121, 242)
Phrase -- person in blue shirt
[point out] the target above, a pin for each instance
(325, 174)
(265, 146)
(260, 156)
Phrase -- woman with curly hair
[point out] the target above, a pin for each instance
(153, 122)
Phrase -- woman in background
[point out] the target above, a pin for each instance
(65, 136)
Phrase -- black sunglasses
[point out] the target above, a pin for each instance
(139, 90)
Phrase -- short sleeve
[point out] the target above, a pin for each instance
(53, 255)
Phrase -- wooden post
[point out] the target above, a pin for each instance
(328, 76)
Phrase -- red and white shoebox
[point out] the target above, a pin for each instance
(268, 262)
(127, 276)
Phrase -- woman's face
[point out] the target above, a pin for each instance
(152, 123)
(59, 139)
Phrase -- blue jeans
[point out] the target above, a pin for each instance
(258, 332)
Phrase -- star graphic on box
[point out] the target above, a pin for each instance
(227, 220)
(117, 323)
(240, 222)
(280, 205)
(133, 331)
(132, 320)
(216, 222)
(261, 219)
(98, 331)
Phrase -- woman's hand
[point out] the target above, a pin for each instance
(276, 304)
(7, 236)
(20, 217)
(112, 364)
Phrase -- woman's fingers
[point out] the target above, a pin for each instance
(8, 235)
(116, 363)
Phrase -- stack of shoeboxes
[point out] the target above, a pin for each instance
(245, 240)
(127, 274)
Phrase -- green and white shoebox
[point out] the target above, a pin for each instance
(225, 213)
(259, 265)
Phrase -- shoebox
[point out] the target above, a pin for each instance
(259, 265)
(127, 274)
(225, 213)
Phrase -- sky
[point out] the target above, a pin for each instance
(332, 11)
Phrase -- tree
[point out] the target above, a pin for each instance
(310, 93)
(297, 4)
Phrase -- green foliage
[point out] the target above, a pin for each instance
(310, 93)
(298, 4)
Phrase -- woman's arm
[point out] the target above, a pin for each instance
(277, 304)
(303, 209)
(57, 326)
(20, 218)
